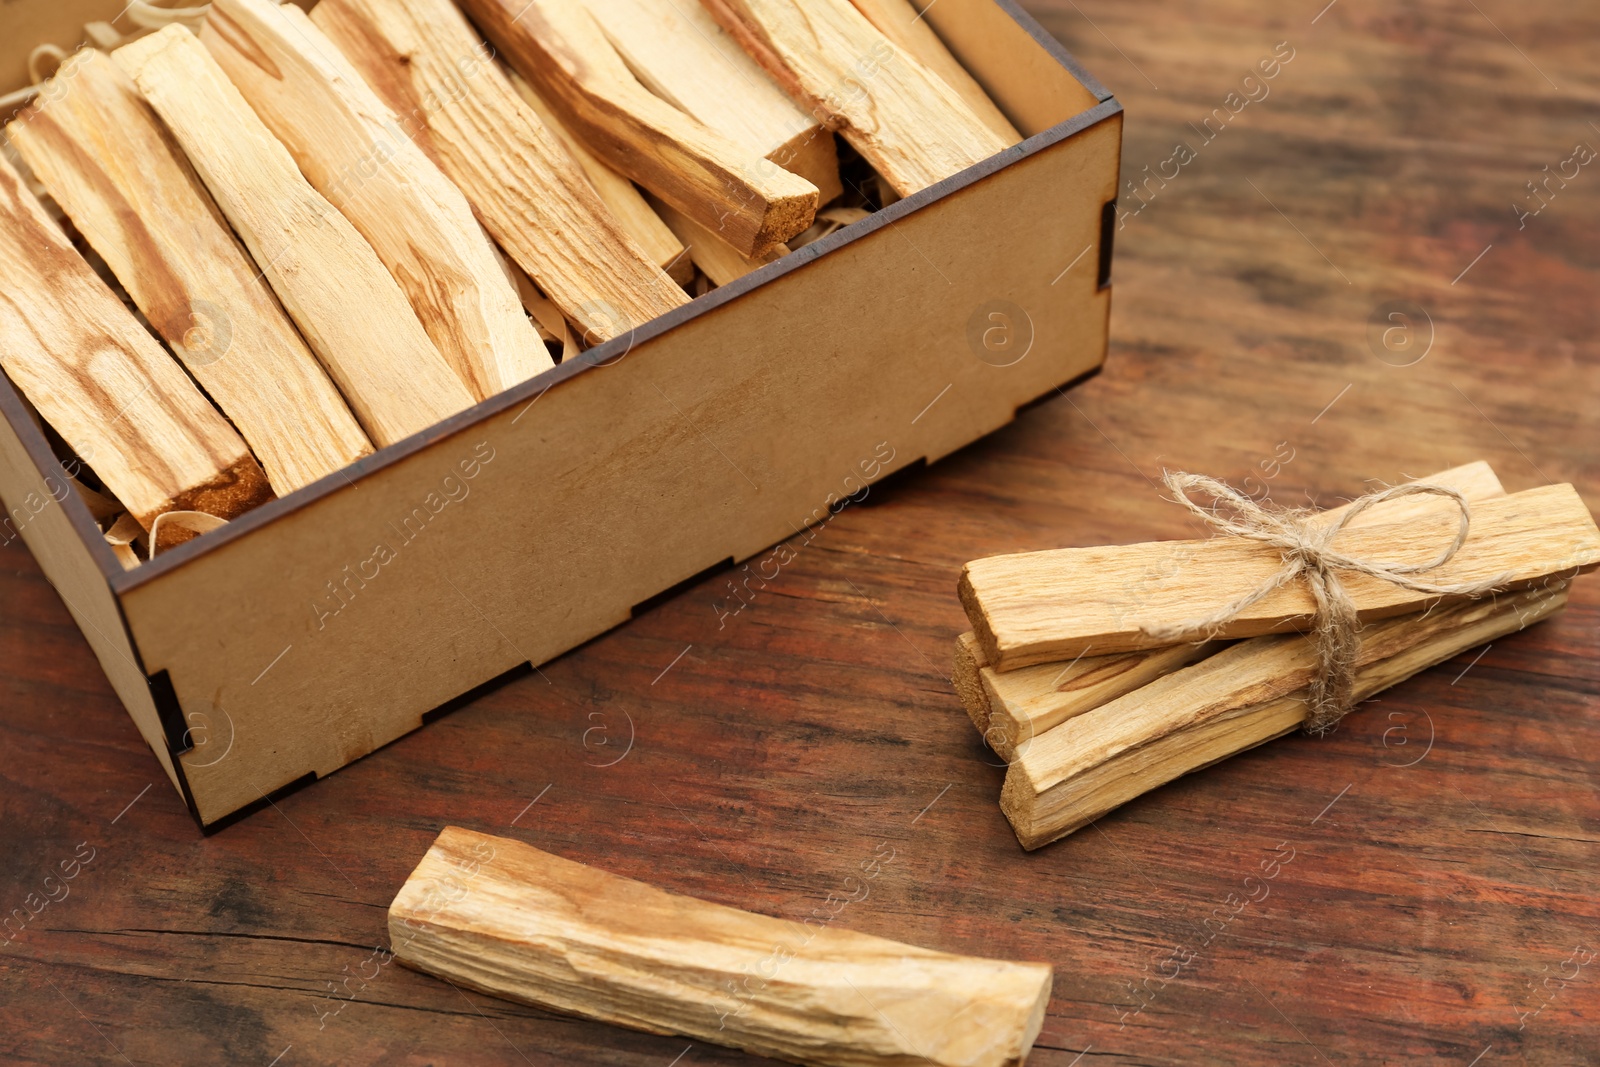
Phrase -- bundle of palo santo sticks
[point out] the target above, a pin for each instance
(1068, 679)
(282, 239)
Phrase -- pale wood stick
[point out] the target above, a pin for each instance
(106, 386)
(677, 50)
(104, 509)
(356, 153)
(1015, 706)
(505, 918)
(1237, 699)
(966, 677)
(105, 158)
(1035, 607)
(908, 31)
(624, 199)
(436, 73)
(349, 309)
(1025, 703)
(121, 537)
(724, 186)
(901, 117)
(829, 221)
(552, 324)
(720, 261)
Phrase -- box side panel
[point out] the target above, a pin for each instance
(1026, 78)
(36, 505)
(331, 631)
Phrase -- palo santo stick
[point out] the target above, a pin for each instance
(627, 204)
(966, 678)
(430, 66)
(354, 152)
(910, 33)
(121, 537)
(1036, 607)
(351, 312)
(897, 113)
(510, 920)
(1237, 699)
(1014, 706)
(553, 325)
(1025, 703)
(828, 222)
(720, 261)
(106, 386)
(104, 156)
(720, 184)
(103, 508)
(678, 52)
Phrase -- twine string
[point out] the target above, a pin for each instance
(1305, 543)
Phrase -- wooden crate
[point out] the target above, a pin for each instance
(323, 625)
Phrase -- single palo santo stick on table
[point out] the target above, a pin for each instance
(510, 920)
(354, 151)
(897, 113)
(1010, 707)
(720, 261)
(909, 32)
(126, 186)
(720, 184)
(627, 204)
(678, 52)
(1239, 698)
(348, 307)
(97, 376)
(1035, 607)
(432, 68)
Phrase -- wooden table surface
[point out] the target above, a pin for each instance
(1441, 902)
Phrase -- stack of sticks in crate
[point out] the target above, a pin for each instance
(349, 225)
(1062, 676)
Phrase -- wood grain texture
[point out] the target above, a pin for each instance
(1036, 607)
(126, 186)
(1025, 703)
(680, 54)
(348, 307)
(1011, 707)
(434, 71)
(624, 199)
(717, 259)
(1250, 692)
(500, 916)
(104, 384)
(1420, 913)
(355, 152)
(912, 127)
(560, 49)
(902, 22)
(966, 679)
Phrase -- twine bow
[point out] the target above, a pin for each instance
(1305, 541)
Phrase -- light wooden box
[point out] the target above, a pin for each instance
(543, 516)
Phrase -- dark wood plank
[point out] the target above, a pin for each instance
(1425, 904)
